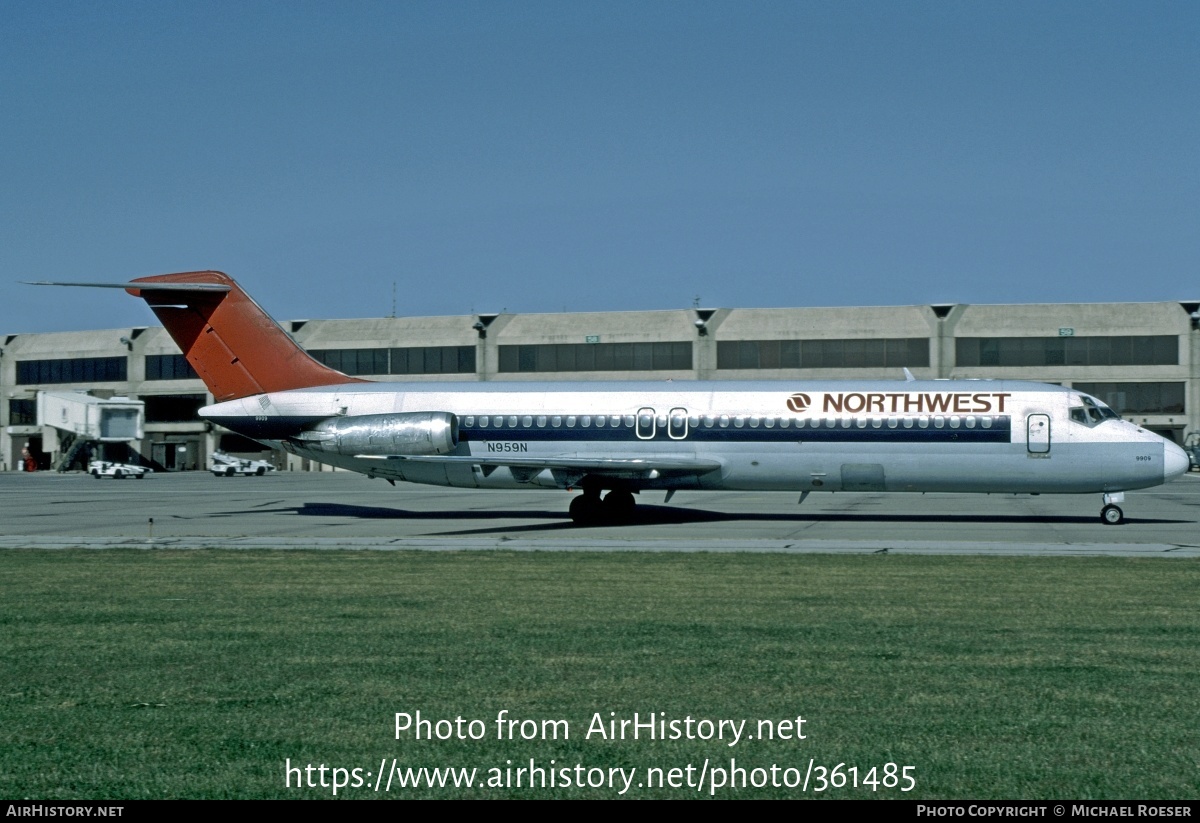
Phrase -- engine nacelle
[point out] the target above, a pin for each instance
(416, 433)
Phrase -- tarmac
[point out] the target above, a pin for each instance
(345, 511)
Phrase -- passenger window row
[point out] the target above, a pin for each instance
(724, 421)
(542, 421)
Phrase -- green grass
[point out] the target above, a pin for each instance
(197, 674)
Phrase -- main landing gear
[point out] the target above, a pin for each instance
(588, 509)
(1111, 514)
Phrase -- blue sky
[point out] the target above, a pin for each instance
(536, 157)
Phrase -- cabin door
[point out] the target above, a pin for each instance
(1038, 426)
(647, 424)
(677, 424)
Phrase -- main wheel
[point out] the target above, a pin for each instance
(587, 510)
(229, 472)
(118, 475)
(1112, 515)
(261, 471)
(619, 505)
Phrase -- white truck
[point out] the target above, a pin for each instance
(117, 471)
(226, 465)
(1191, 445)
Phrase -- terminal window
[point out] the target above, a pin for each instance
(173, 408)
(1138, 398)
(169, 367)
(1130, 350)
(823, 354)
(72, 370)
(433, 360)
(354, 361)
(22, 411)
(576, 357)
(407, 360)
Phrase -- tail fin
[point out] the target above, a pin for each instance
(235, 347)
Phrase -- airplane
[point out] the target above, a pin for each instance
(613, 440)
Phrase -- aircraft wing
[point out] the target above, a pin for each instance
(625, 468)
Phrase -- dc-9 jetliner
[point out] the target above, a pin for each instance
(611, 440)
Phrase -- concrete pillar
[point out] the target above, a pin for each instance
(942, 351)
(1192, 395)
(704, 349)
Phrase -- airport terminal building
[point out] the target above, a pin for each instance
(1143, 359)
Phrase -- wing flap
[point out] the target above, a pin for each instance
(604, 466)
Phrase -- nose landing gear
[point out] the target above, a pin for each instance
(1111, 514)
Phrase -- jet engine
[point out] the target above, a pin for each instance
(416, 433)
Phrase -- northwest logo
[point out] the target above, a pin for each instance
(904, 402)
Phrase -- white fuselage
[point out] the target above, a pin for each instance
(969, 436)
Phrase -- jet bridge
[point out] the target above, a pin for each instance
(74, 423)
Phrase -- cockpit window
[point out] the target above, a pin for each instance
(1092, 411)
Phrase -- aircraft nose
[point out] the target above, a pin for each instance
(1175, 461)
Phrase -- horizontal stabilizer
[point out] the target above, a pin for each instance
(193, 287)
(234, 346)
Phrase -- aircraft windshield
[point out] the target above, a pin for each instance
(1092, 411)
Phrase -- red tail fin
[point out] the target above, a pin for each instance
(235, 347)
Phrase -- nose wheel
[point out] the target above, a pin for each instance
(1112, 515)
